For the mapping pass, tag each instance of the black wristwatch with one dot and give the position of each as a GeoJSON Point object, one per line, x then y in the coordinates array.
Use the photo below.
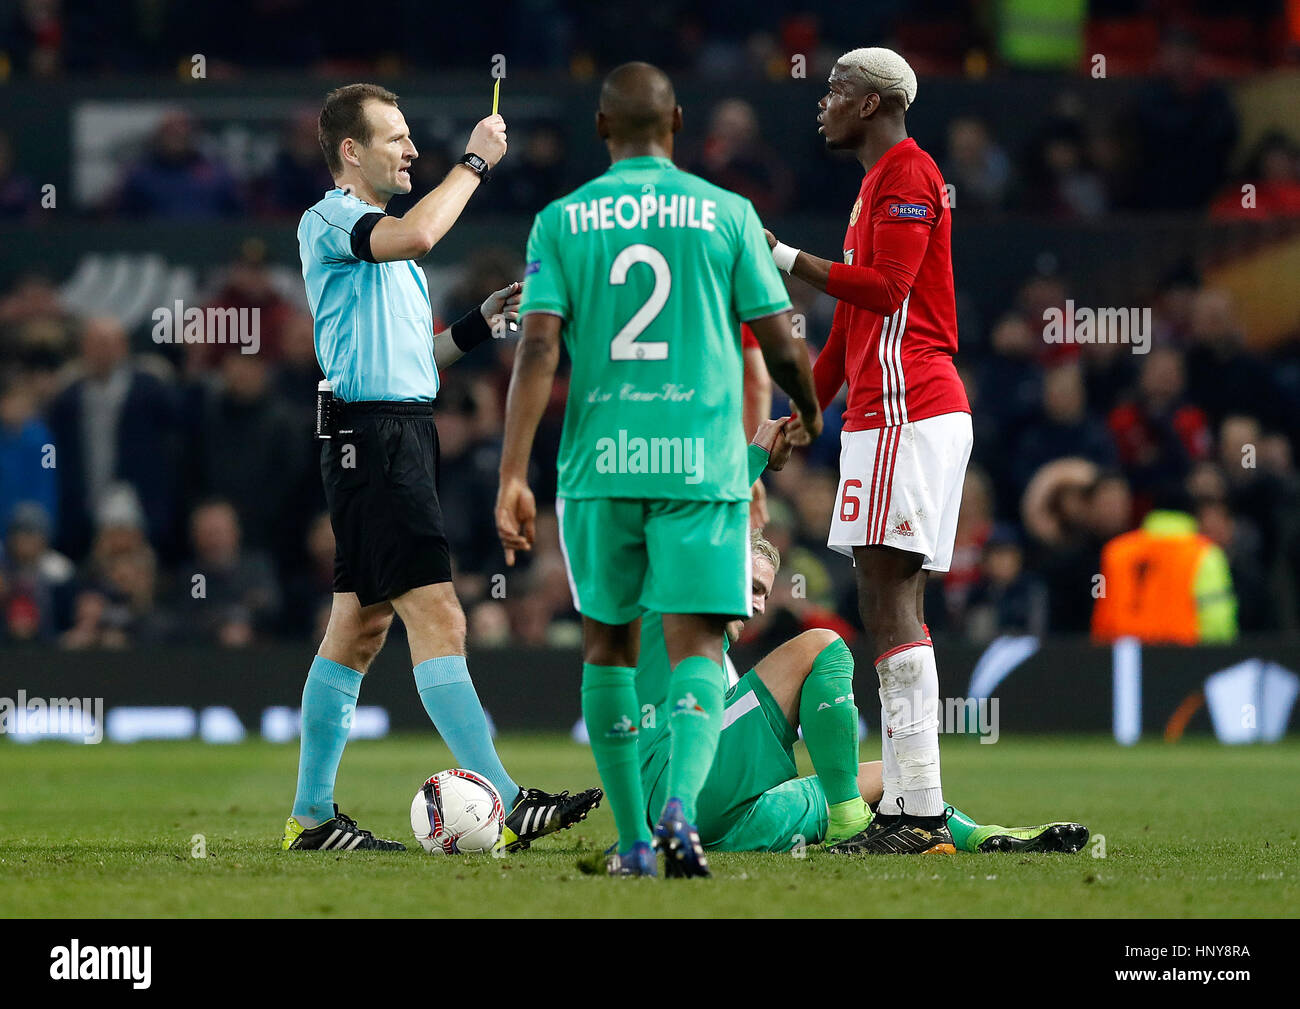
{"type": "Point", "coordinates": [476, 165]}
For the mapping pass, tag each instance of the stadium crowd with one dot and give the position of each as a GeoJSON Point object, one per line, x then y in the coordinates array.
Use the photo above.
{"type": "Point", "coordinates": [1168, 148]}
{"type": "Point", "coordinates": [48, 39]}
{"type": "Point", "coordinates": [135, 479]}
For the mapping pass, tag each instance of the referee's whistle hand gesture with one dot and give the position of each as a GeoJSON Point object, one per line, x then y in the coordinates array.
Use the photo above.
{"type": "Point", "coordinates": [516, 517]}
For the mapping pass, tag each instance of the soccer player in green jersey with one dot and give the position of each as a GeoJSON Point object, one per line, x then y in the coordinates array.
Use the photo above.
{"type": "Point", "coordinates": [646, 272]}
{"type": "Point", "coordinates": [753, 798]}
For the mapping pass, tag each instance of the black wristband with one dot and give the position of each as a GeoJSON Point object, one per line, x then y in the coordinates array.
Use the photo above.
{"type": "Point", "coordinates": [470, 330]}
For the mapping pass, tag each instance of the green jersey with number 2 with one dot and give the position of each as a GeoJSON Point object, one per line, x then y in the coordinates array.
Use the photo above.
{"type": "Point", "coordinates": [652, 270]}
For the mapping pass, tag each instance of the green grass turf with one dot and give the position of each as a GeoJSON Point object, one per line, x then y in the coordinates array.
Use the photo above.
{"type": "Point", "coordinates": [1193, 829]}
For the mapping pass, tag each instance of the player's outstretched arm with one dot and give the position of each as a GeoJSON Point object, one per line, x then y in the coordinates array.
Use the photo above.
{"type": "Point", "coordinates": [797, 263]}
{"type": "Point", "coordinates": [423, 226]}
{"type": "Point", "coordinates": [536, 359]}
{"type": "Point", "coordinates": [787, 360]}
{"type": "Point", "coordinates": [881, 286]}
{"type": "Point", "coordinates": [500, 308]}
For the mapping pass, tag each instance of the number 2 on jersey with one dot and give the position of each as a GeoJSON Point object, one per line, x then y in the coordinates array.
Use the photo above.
{"type": "Point", "coordinates": [624, 346]}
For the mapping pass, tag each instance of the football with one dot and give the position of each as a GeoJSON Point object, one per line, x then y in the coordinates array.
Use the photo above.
{"type": "Point", "coordinates": [457, 812]}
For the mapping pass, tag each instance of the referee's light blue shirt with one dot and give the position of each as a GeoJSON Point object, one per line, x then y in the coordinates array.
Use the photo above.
{"type": "Point", "coordinates": [373, 322]}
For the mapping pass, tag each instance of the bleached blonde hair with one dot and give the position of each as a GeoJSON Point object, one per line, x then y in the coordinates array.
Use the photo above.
{"type": "Point", "coordinates": [883, 71]}
{"type": "Point", "coordinates": [763, 547]}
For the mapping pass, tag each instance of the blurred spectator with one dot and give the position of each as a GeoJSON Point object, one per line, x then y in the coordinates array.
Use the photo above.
{"type": "Point", "coordinates": [1273, 170]}
{"type": "Point", "coordinates": [176, 180]}
{"type": "Point", "coordinates": [34, 34]}
{"type": "Point", "coordinates": [1159, 433]}
{"type": "Point", "coordinates": [115, 588]}
{"type": "Point", "coordinates": [1186, 128]}
{"type": "Point", "coordinates": [114, 421]}
{"type": "Point", "coordinates": [298, 177]}
{"type": "Point", "coordinates": [35, 580]}
{"type": "Point", "coordinates": [1006, 396]}
{"type": "Point", "coordinates": [1263, 489]}
{"type": "Point", "coordinates": [1006, 599]}
{"type": "Point", "coordinates": [977, 168]}
{"type": "Point", "coordinates": [238, 595]}
{"type": "Point", "coordinates": [735, 157]}
{"type": "Point", "coordinates": [249, 448]}
{"type": "Point", "coordinates": [489, 625]}
{"type": "Point", "coordinates": [975, 523]}
{"type": "Point", "coordinates": [28, 469]}
{"type": "Point", "coordinates": [91, 625]}
{"type": "Point", "coordinates": [1064, 427]}
{"type": "Point", "coordinates": [298, 370]}
{"type": "Point", "coordinates": [1165, 582]}
{"type": "Point", "coordinates": [1089, 516]}
{"type": "Point", "coordinates": [310, 592]}
{"type": "Point", "coordinates": [1061, 180]}
{"type": "Point", "coordinates": [19, 198]}
{"type": "Point", "coordinates": [535, 176]}
{"type": "Point", "coordinates": [467, 478]}
{"type": "Point", "coordinates": [1240, 543]}
{"type": "Point", "coordinates": [35, 331]}
{"type": "Point", "coordinates": [1173, 305]}
{"type": "Point", "coordinates": [1223, 375]}
{"type": "Point", "coordinates": [249, 288]}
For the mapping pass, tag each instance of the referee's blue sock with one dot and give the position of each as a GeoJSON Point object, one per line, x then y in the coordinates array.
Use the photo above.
{"type": "Point", "coordinates": [328, 699]}
{"type": "Point", "coordinates": [452, 702]}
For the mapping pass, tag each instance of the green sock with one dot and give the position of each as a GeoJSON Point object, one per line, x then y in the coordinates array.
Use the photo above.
{"type": "Point", "coordinates": [846, 819]}
{"type": "Point", "coordinates": [695, 702]}
{"type": "Point", "coordinates": [962, 827]}
{"type": "Point", "coordinates": [829, 720]}
{"type": "Point", "coordinates": [612, 714]}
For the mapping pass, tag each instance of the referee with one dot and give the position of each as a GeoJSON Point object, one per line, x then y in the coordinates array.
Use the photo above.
{"type": "Point", "coordinates": [379, 460]}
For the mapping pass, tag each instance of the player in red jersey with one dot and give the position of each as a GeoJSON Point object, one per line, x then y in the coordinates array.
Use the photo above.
{"type": "Point", "coordinates": [907, 428]}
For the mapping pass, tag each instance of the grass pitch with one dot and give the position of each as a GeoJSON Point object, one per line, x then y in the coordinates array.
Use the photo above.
{"type": "Point", "coordinates": [1190, 830]}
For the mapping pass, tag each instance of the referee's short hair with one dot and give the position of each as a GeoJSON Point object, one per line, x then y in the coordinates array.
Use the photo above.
{"type": "Point", "coordinates": [344, 115]}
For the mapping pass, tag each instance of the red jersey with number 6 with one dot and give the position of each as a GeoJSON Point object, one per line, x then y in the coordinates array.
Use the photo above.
{"type": "Point", "coordinates": [895, 328]}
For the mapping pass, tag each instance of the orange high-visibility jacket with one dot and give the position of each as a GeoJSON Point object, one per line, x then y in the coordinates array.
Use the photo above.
{"type": "Point", "coordinates": [1164, 583]}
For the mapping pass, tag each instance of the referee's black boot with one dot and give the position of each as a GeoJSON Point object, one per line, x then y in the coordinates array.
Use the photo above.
{"type": "Point", "coordinates": [536, 814]}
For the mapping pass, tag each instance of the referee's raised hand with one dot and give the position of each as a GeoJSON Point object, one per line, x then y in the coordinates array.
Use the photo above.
{"type": "Point", "coordinates": [488, 140]}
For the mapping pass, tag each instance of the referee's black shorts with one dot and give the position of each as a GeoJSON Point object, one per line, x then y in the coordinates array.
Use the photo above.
{"type": "Point", "coordinates": [388, 527]}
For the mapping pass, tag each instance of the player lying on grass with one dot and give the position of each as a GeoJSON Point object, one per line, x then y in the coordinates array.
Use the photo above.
{"type": "Point", "coordinates": [753, 798]}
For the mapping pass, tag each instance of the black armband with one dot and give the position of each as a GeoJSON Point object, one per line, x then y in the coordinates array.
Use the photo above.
{"type": "Point", "coordinates": [470, 330]}
{"type": "Point", "coordinates": [361, 236]}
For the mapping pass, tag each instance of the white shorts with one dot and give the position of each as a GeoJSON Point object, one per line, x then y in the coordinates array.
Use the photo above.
{"type": "Point", "coordinates": [901, 487]}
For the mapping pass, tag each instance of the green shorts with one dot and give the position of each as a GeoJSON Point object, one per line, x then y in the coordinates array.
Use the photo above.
{"type": "Point", "coordinates": [625, 555]}
{"type": "Point", "coordinates": [753, 799]}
